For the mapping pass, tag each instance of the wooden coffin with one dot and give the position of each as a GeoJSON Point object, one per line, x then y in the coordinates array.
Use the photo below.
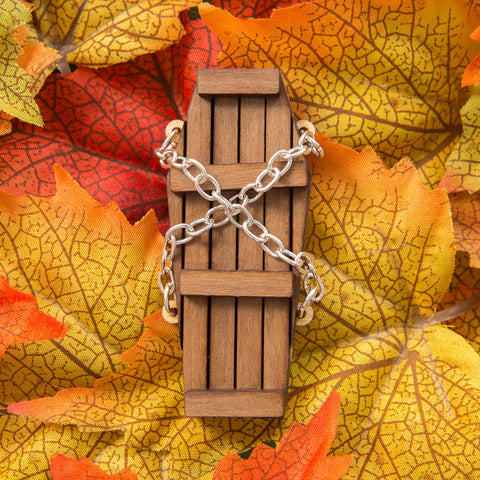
{"type": "Point", "coordinates": [236, 303]}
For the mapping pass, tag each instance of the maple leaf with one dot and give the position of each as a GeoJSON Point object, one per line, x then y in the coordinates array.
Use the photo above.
{"type": "Point", "coordinates": [16, 99]}
{"type": "Point", "coordinates": [301, 453]}
{"type": "Point", "coordinates": [65, 468]}
{"type": "Point", "coordinates": [103, 32]}
{"type": "Point", "coordinates": [461, 303]}
{"type": "Point", "coordinates": [472, 72]}
{"type": "Point", "coordinates": [89, 268]}
{"type": "Point", "coordinates": [463, 165]}
{"type": "Point", "coordinates": [135, 400]}
{"type": "Point", "coordinates": [112, 157]}
{"type": "Point", "coordinates": [97, 273]}
{"type": "Point", "coordinates": [384, 248]}
{"type": "Point", "coordinates": [20, 319]}
{"type": "Point", "coordinates": [360, 75]}
{"type": "Point", "coordinates": [465, 213]}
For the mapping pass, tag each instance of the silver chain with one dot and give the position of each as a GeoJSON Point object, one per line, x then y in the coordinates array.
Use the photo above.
{"type": "Point", "coordinates": [233, 207]}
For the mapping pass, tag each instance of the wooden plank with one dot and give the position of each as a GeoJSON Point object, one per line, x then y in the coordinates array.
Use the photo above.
{"type": "Point", "coordinates": [223, 252]}
{"type": "Point", "coordinates": [235, 177]}
{"type": "Point", "coordinates": [250, 255]}
{"type": "Point", "coordinates": [238, 81]}
{"type": "Point", "coordinates": [196, 254]}
{"type": "Point", "coordinates": [236, 284]}
{"type": "Point", "coordinates": [175, 213]}
{"type": "Point", "coordinates": [277, 221]}
{"type": "Point", "coordinates": [234, 403]}
{"type": "Point", "coordinates": [300, 203]}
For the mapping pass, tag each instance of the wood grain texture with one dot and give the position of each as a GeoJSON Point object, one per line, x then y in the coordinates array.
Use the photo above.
{"type": "Point", "coordinates": [278, 221]}
{"type": "Point", "coordinates": [223, 251]}
{"type": "Point", "coordinates": [238, 81]}
{"type": "Point", "coordinates": [216, 283]}
{"type": "Point", "coordinates": [213, 403]}
{"type": "Point", "coordinates": [250, 255]}
{"type": "Point", "coordinates": [196, 254]}
{"type": "Point", "coordinates": [242, 175]}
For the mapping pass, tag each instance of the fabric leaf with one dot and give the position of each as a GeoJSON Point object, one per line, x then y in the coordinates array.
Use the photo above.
{"type": "Point", "coordinates": [466, 221]}
{"type": "Point", "coordinates": [301, 453]}
{"type": "Point", "coordinates": [461, 303]}
{"type": "Point", "coordinates": [137, 399]}
{"type": "Point", "coordinates": [112, 157]}
{"type": "Point", "coordinates": [360, 76]}
{"type": "Point", "coordinates": [16, 97]}
{"type": "Point", "coordinates": [463, 165]}
{"type": "Point", "coordinates": [89, 268]}
{"type": "Point", "coordinates": [472, 72]}
{"type": "Point", "coordinates": [65, 468]}
{"type": "Point", "coordinates": [101, 32]}
{"type": "Point", "coordinates": [20, 319]}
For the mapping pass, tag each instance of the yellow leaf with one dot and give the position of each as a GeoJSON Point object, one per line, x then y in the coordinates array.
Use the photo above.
{"type": "Point", "coordinates": [91, 269]}
{"type": "Point", "coordinates": [379, 73]}
{"type": "Point", "coordinates": [463, 165]}
{"type": "Point", "coordinates": [461, 303]}
{"type": "Point", "coordinates": [104, 32]}
{"type": "Point", "coordinates": [87, 267]}
{"type": "Point", "coordinates": [16, 97]}
{"type": "Point", "coordinates": [466, 219]}
{"type": "Point", "coordinates": [135, 400]}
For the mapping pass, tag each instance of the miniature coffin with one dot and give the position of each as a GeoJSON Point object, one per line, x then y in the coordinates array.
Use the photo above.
{"type": "Point", "coordinates": [236, 303]}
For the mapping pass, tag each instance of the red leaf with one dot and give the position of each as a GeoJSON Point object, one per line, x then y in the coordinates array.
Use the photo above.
{"type": "Point", "coordinates": [20, 319]}
{"type": "Point", "coordinates": [64, 468]}
{"type": "Point", "coordinates": [103, 126]}
{"type": "Point", "coordinates": [300, 455]}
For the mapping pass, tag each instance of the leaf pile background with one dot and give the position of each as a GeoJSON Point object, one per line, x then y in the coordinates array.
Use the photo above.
{"type": "Point", "coordinates": [392, 87]}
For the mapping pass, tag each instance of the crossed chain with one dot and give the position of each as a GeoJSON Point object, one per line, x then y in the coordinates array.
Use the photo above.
{"type": "Point", "coordinates": [303, 262]}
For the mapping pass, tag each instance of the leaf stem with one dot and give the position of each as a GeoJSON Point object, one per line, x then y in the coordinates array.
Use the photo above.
{"type": "Point", "coordinates": [455, 310]}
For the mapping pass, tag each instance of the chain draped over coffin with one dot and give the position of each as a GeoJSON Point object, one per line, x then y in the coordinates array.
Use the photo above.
{"type": "Point", "coordinates": [228, 368]}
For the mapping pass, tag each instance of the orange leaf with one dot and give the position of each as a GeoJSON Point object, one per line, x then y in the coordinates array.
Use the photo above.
{"type": "Point", "coordinates": [472, 72]}
{"type": "Point", "coordinates": [64, 468]}
{"type": "Point", "coordinates": [384, 73]}
{"type": "Point", "coordinates": [301, 454]}
{"type": "Point", "coordinates": [20, 319]}
{"type": "Point", "coordinates": [466, 220]}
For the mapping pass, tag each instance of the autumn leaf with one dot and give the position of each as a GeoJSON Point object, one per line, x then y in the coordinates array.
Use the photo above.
{"type": "Point", "coordinates": [20, 319]}
{"type": "Point", "coordinates": [112, 157]}
{"type": "Point", "coordinates": [65, 468]}
{"type": "Point", "coordinates": [103, 32]}
{"type": "Point", "coordinates": [360, 75]}
{"type": "Point", "coordinates": [461, 303]}
{"type": "Point", "coordinates": [26, 446]}
{"type": "Point", "coordinates": [472, 72]}
{"type": "Point", "coordinates": [301, 453]}
{"type": "Point", "coordinates": [466, 224]}
{"type": "Point", "coordinates": [137, 399]}
{"type": "Point", "coordinates": [16, 99]}
{"type": "Point", "coordinates": [463, 165]}
{"type": "Point", "coordinates": [89, 268]}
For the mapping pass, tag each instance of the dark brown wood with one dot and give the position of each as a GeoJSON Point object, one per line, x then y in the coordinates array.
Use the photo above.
{"type": "Point", "coordinates": [236, 302]}
{"type": "Point", "coordinates": [298, 176]}
{"type": "Point", "coordinates": [223, 252]}
{"type": "Point", "coordinates": [216, 283]}
{"type": "Point", "coordinates": [250, 318]}
{"type": "Point", "coordinates": [238, 81]}
{"type": "Point", "coordinates": [277, 220]}
{"type": "Point", "coordinates": [196, 254]}
{"type": "Point", "coordinates": [234, 403]}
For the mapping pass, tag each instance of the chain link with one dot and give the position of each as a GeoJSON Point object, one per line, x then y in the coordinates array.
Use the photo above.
{"type": "Point", "coordinates": [272, 245]}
